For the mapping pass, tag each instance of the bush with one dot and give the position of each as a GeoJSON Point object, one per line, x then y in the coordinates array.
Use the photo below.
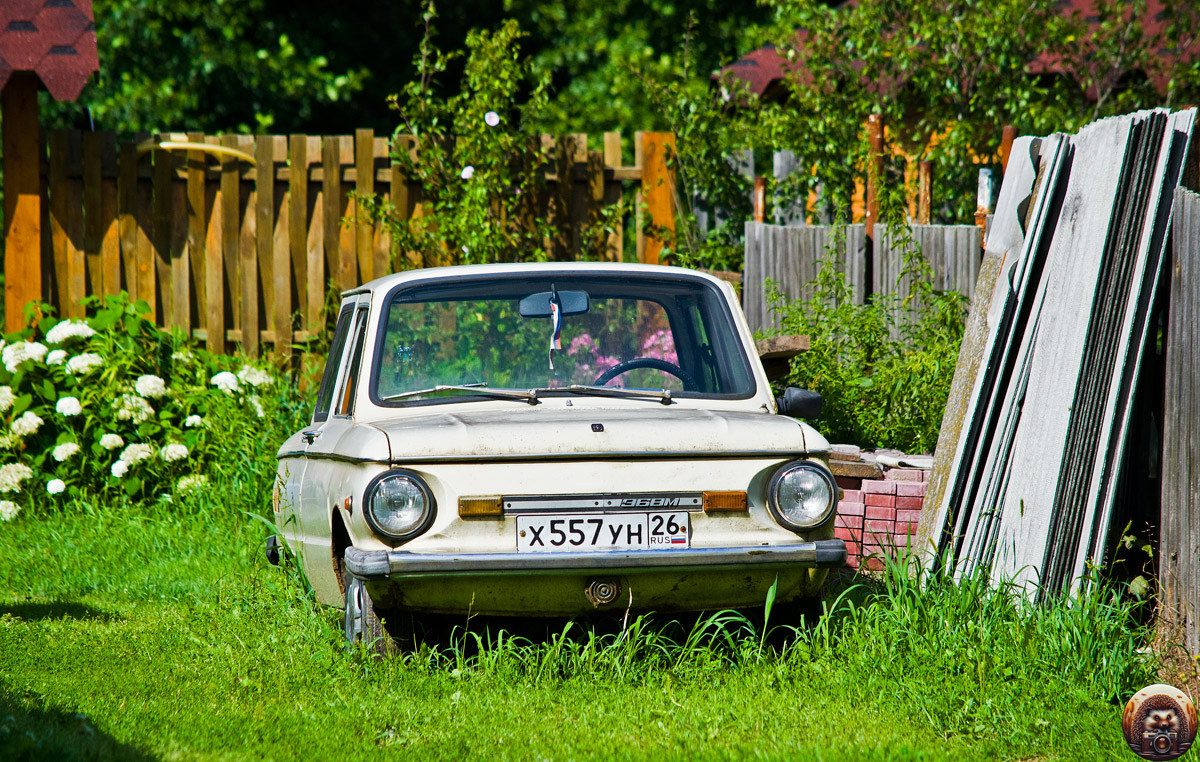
{"type": "Point", "coordinates": [885, 367]}
{"type": "Point", "coordinates": [114, 405]}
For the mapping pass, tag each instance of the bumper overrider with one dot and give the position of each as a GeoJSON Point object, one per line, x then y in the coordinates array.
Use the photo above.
{"type": "Point", "coordinates": [370, 565]}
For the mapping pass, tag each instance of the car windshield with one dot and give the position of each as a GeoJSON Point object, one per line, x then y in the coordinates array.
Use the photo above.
{"type": "Point", "coordinates": [554, 331]}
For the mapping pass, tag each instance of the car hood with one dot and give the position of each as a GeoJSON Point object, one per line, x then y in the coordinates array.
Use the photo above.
{"type": "Point", "coordinates": [590, 432]}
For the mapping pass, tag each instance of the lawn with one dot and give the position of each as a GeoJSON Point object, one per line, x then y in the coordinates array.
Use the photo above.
{"type": "Point", "coordinates": [160, 633]}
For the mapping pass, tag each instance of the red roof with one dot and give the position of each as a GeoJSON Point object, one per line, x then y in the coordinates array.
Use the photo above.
{"type": "Point", "coordinates": [56, 39]}
{"type": "Point", "coordinates": [764, 69]}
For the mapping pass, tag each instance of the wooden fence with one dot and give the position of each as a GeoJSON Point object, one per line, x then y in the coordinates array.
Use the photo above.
{"type": "Point", "coordinates": [236, 251]}
{"type": "Point", "coordinates": [791, 256]}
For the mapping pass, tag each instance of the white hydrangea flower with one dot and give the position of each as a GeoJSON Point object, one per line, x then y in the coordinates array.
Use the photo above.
{"type": "Point", "coordinates": [7, 398]}
{"type": "Point", "coordinates": [11, 476]}
{"type": "Point", "coordinates": [133, 408]}
{"type": "Point", "coordinates": [27, 424]}
{"type": "Point", "coordinates": [173, 452]}
{"type": "Point", "coordinates": [8, 510]}
{"type": "Point", "coordinates": [56, 486]}
{"type": "Point", "coordinates": [192, 421]}
{"type": "Point", "coordinates": [8, 441]}
{"type": "Point", "coordinates": [56, 357]}
{"type": "Point", "coordinates": [69, 329]}
{"type": "Point", "coordinates": [84, 363]}
{"type": "Point", "coordinates": [468, 172]}
{"type": "Point", "coordinates": [64, 451]}
{"type": "Point", "coordinates": [254, 376]}
{"type": "Point", "coordinates": [119, 469]}
{"type": "Point", "coordinates": [68, 406]}
{"type": "Point", "coordinates": [491, 119]}
{"type": "Point", "coordinates": [15, 354]}
{"type": "Point", "coordinates": [136, 453]}
{"type": "Point", "coordinates": [191, 483]}
{"type": "Point", "coordinates": [182, 356]}
{"type": "Point", "coordinates": [226, 382]}
{"type": "Point", "coordinates": [150, 386]}
{"type": "Point", "coordinates": [258, 407]}
{"type": "Point", "coordinates": [111, 441]}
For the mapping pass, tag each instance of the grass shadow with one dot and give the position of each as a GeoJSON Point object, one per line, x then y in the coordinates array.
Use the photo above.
{"type": "Point", "coordinates": [30, 730]}
{"type": "Point", "coordinates": [51, 610]}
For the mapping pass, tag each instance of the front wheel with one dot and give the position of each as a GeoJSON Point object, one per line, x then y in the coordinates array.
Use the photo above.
{"type": "Point", "coordinates": [360, 621]}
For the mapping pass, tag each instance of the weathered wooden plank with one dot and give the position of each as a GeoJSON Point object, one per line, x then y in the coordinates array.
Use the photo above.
{"type": "Point", "coordinates": [93, 199]}
{"type": "Point", "coordinates": [110, 235]}
{"type": "Point", "coordinates": [196, 257]}
{"type": "Point", "coordinates": [260, 209]}
{"type": "Point", "coordinates": [364, 186]}
{"type": "Point", "coordinates": [350, 276]}
{"type": "Point", "coordinates": [281, 266]}
{"type": "Point", "coordinates": [331, 191]}
{"type": "Point", "coordinates": [224, 300]}
{"type": "Point", "coordinates": [162, 232]}
{"type": "Point", "coordinates": [127, 221]}
{"type": "Point", "coordinates": [297, 219]}
{"type": "Point", "coordinates": [58, 220]}
{"type": "Point", "coordinates": [658, 190]}
{"type": "Point", "coordinates": [316, 283]}
{"type": "Point", "coordinates": [76, 256]}
{"type": "Point", "coordinates": [612, 195]}
{"type": "Point", "coordinates": [147, 273]}
{"type": "Point", "coordinates": [23, 206]}
{"type": "Point", "coordinates": [381, 238]}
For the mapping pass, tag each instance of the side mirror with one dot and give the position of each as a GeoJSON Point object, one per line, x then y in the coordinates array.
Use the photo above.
{"type": "Point", "coordinates": [800, 403]}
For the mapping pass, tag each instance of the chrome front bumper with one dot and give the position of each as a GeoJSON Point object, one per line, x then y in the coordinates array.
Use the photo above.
{"type": "Point", "coordinates": [370, 565]}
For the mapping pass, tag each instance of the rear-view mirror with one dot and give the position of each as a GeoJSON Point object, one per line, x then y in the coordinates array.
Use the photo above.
{"type": "Point", "coordinates": [538, 305]}
{"type": "Point", "coordinates": [800, 403]}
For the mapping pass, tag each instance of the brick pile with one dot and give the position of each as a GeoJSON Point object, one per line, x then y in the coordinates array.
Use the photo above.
{"type": "Point", "coordinates": [879, 517]}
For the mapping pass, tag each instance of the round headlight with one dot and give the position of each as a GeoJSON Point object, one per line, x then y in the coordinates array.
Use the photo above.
{"type": "Point", "coordinates": [801, 495]}
{"type": "Point", "coordinates": [398, 505]}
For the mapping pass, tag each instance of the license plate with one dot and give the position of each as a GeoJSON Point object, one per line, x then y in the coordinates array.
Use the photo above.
{"type": "Point", "coordinates": [603, 531]}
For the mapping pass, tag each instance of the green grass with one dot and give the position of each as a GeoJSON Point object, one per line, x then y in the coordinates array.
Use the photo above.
{"type": "Point", "coordinates": [161, 634]}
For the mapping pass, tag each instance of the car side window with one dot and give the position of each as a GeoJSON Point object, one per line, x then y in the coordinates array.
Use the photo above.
{"type": "Point", "coordinates": [346, 406]}
{"type": "Point", "coordinates": [329, 377]}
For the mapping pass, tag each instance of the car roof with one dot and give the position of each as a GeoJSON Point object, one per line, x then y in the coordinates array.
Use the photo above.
{"type": "Point", "coordinates": [607, 268]}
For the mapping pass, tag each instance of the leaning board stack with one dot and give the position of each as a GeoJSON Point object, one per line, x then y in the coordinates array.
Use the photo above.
{"type": "Point", "coordinates": [1026, 485]}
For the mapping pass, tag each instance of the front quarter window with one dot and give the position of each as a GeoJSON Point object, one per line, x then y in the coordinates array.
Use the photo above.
{"type": "Point", "coordinates": [332, 363]}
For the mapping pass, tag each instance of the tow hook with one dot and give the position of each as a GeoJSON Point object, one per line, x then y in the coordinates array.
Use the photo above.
{"type": "Point", "coordinates": [602, 590]}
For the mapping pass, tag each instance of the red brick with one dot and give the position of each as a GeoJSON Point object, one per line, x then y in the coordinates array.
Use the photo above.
{"type": "Point", "coordinates": [850, 509]}
{"type": "Point", "coordinates": [880, 526]}
{"type": "Point", "coordinates": [886, 501]}
{"type": "Point", "coordinates": [925, 476]}
{"type": "Point", "coordinates": [874, 563]}
{"type": "Point", "coordinates": [852, 562]}
{"type": "Point", "coordinates": [852, 495]}
{"type": "Point", "coordinates": [909, 516]}
{"type": "Point", "coordinates": [879, 487]}
{"type": "Point", "coordinates": [850, 522]}
{"type": "Point", "coordinates": [853, 549]}
{"type": "Point", "coordinates": [844, 533]}
{"type": "Point", "coordinates": [881, 512]}
{"type": "Point", "coordinates": [905, 528]}
{"type": "Point", "coordinates": [848, 482]}
{"type": "Point", "coordinates": [910, 503]}
{"type": "Point", "coordinates": [904, 474]}
{"type": "Point", "coordinates": [910, 489]}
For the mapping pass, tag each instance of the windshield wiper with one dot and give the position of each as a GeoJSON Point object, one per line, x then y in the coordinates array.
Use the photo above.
{"type": "Point", "coordinates": [662, 395]}
{"type": "Point", "coordinates": [524, 395]}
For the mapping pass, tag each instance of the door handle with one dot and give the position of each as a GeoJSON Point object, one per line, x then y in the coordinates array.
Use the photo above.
{"type": "Point", "coordinates": [309, 436]}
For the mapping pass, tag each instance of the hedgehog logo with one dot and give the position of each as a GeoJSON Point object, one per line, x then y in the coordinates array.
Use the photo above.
{"type": "Point", "coordinates": [1159, 722]}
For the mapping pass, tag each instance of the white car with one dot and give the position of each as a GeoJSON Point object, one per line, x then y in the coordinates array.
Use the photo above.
{"type": "Point", "coordinates": [552, 440]}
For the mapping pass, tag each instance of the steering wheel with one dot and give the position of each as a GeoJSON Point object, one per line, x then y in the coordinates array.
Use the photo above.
{"type": "Point", "coordinates": [689, 383]}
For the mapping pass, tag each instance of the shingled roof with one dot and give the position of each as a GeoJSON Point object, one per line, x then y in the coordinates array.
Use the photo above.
{"type": "Point", "coordinates": [56, 39]}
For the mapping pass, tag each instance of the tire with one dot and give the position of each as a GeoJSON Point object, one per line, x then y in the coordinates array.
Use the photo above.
{"type": "Point", "coordinates": [361, 622]}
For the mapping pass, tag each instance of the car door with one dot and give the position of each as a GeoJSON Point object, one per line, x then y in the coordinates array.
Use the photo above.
{"type": "Point", "coordinates": [333, 420]}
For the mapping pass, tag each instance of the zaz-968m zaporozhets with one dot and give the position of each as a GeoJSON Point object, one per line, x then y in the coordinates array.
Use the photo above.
{"type": "Point", "coordinates": [552, 440]}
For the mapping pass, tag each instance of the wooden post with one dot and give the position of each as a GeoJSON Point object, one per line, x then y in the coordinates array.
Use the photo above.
{"type": "Point", "coordinates": [22, 199]}
{"type": "Point", "coordinates": [1007, 136]}
{"type": "Point", "coordinates": [874, 185]}
{"type": "Point", "coordinates": [612, 195]}
{"type": "Point", "coordinates": [924, 192]}
{"type": "Point", "coordinates": [364, 186]}
{"type": "Point", "coordinates": [658, 189]}
{"type": "Point", "coordinates": [759, 199]}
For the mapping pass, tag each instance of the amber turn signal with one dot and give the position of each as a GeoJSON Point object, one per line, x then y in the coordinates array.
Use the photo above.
{"type": "Point", "coordinates": [725, 502]}
{"type": "Point", "coordinates": [486, 507]}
